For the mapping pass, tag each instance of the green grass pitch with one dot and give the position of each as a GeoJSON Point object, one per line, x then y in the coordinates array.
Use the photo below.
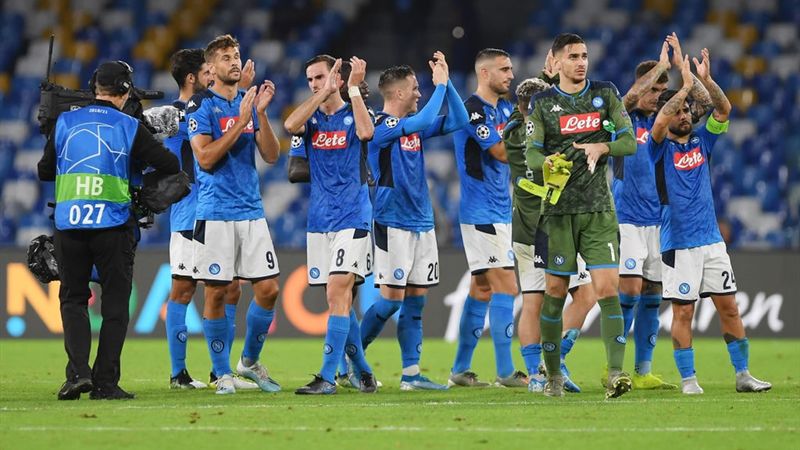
{"type": "Point", "coordinates": [490, 418]}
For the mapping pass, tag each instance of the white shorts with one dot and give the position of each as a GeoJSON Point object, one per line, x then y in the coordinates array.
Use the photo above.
{"type": "Point", "coordinates": [404, 258]}
{"type": "Point", "coordinates": [531, 279]}
{"type": "Point", "coordinates": [181, 248]}
{"type": "Point", "coordinates": [640, 251]}
{"type": "Point", "coordinates": [691, 273]}
{"type": "Point", "coordinates": [344, 251]}
{"type": "Point", "coordinates": [228, 249]}
{"type": "Point", "coordinates": [487, 246]}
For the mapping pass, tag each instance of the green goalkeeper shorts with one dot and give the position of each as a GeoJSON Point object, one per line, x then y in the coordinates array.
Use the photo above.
{"type": "Point", "coordinates": [560, 238]}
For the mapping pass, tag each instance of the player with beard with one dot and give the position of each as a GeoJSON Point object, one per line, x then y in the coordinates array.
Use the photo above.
{"type": "Point", "coordinates": [232, 241]}
{"type": "Point", "coordinates": [485, 216]}
{"type": "Point", "coordinates": [695, 262]}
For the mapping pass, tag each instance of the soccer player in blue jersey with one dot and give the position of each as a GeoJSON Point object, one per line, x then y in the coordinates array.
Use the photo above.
{"type": "Point", "coordinates": [339, 244]}
{"type": "Point", "coordinates": [232, 241]}
{"type": "Point", "coordinates": [639, 213]}
{"type": "Point", "coordinates": [193, 74]}
{"type": "Point", "coordinates": [406, 257]}
{"type": "Point", "coordinates": [695, 262]}
{"type": "Point", "coordinates": [485, 217]}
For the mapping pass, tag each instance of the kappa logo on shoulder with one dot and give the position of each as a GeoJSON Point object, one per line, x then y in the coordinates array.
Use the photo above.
{"type": "Point", "coordinates": [556, 108]}
{"type": "Point", "coordinates": [475, 116]}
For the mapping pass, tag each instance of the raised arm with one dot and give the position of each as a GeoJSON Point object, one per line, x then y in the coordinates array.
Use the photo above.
{"type": "Point", "coordinates": [365, 127]}
{"type": "Point", "coordinates": [428, 114]}
{"type": "Point", "coordinates": [457, 115]}
{"type": "Point", "coordinates": [701, 100]}
{"type": "Point", "coordinates": [296, 122]}
{"type": "Point", "coordinates": [659, 130]}
{"type": "Point", "coordinates": [721, 104]}
{"type": "Point", "coordinates": [643, 84]}
{"type": "Point", "coordinates": [266, 141]}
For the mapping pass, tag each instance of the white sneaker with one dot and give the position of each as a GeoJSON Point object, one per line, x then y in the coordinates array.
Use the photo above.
{"type": "Point", "coordinates": [690, 386]}
{"type": "Point", "coordinates": [748, 383]}
{"type": "Point", "coordinates": [259, 375]}
{"type": "Point", "coordinates": [225, 384]}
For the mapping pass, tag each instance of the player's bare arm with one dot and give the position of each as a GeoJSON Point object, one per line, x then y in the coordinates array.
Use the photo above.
{"type": "Point", "coordinates": [365, 128]}
{"type": "Point", "coordinates": [659, 130]}
{"type": "Point", "coordinates": [702, 101]}
{"type": "Point", "coordinates": [207, 151]}
{"type": "Point", "coordinates": [266, 141]}
{"type": "Point", "coordinates": [722, 106]}
{"type": "Point", "coordinates": [295, 124]}
{"type": "Point", "coordinates": [646, 81]}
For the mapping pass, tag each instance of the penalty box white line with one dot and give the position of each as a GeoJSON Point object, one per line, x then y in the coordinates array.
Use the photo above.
{"type": "Point", "coordinates": [544, 402]}
{"type": "Point", "coordinates": [409, 429]}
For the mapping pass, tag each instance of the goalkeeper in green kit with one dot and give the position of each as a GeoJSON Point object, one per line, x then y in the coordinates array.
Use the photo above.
{"type": "Point", "coordinates": [577, 125]}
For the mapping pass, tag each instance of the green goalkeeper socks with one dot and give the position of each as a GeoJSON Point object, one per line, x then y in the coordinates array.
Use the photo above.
{"type": "Point", "coordinates": [550, 322]}
{"type": "Point", "coordinates": [612, 327]}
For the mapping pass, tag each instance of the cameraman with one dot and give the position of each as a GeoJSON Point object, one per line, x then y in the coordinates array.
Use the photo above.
{"type": "Point", "coordinates": [89, 155]}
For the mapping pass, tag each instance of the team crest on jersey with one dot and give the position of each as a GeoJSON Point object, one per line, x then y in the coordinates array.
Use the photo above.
{"type": "Point", "coordinates": [598, 102]}
{"type": "Point", "coordinates": [226, 123]}
{"type": "Point", "coordinates": [695, 140]}
{"type": "Point", "coordinates": [529, 128]}
{"type": "Point", "coordinates": [482, 132]}
{"type": "Point", "coordinates": [192, 125]}
{"type": "Point", "coordinates": [506, 112]}
{"type": "Point", "coordinates": [297, 141]}
{"type": "Point", "coordinates": [411, 143]}
{"type": "Point", "coordinates": [689, 160]}
{"type": "Point", "coordinates": [329, 140]}
{"type": "Point", "coordinates": [556, 108]}
{"type": "Point", "coordinates": [580, 123]}
{"type": "Point", "coordinates": [641, 135]}
{"type": "Point", "coordinates": [347, 120]}
{"type": "Point", "coordinates": [391, 122]}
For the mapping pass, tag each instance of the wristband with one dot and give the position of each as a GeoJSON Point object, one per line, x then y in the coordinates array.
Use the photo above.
{"type": "Point", "coordinates": [354, 91]}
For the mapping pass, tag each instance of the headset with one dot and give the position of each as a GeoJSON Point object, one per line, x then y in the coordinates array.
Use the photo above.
{"type": "Point", "coordinates": [122, 83]}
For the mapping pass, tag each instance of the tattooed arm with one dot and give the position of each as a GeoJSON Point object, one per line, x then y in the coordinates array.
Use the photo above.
{"type": "Point", "coordinates": [721, 104]}
{"type": "Point", "coordinates": [659, 130]}
{"type": "Point", "coordinates": [646, 81]}
{"type": "Point", "coordinates": [702, 100]}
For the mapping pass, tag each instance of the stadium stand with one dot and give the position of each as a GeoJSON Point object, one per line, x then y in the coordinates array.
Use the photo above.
{"type": "Point", "coordinates": [754, 47]}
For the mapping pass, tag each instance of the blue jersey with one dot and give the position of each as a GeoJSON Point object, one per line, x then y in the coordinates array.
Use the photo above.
{"type": "Point", "coordinates": [634, 183]}
{"type": "Point", "coordinates": [485, 195]}
{"type": "Point", "coordinates": [398, 164]}
{"type": "Point", "coordinates": [181, 215]}
{"type": "Point", "coordinates": [339, 192]}
{"type": "Point", "coordinates": [229, 190]}
{"type": "Point", "coordinates": [683, 180]}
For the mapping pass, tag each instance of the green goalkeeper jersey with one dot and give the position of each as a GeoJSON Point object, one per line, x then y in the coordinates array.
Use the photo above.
{"type": "Point", "coordinates": [527, 206]}
{"type": "Point", "coordinates": [593, 115]}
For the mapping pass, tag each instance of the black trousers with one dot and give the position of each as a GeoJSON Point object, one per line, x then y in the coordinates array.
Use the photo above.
{"type": "Point", "coordinates": [112, 251]}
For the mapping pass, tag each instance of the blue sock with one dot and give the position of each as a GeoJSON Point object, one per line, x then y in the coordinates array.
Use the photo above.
{"type": "Point", "coordinates": [501, 326]}
{"type": "Point", "coordinates": [684, 359]}
{"type": "Point", "coordinates": [375, 318]}
{"type": "Point", "coordinates": [473, 318]}
{"type": "Point", "coordinates": [646, 332]}
{"type": "Point", "coordinates": [258, 321]}
{"type": "Point", "coordinates": [532, 355]}
{"type": "Point", "coordinates": [627, 302]}
{"type": "Point", "coordinates": [176, 335]}
{"type": "Point", "coordinates": [335, 338]}
{"type": "Point", "coordinates": [409, 329]}
{"type": "Point", "coordinates": [568, 341]}
{"type": "Point", "coordinates": [739, 350]}
{"type": "Point", "coordinates": [342, 370]}
{"type": "Point", "coordinates": [230, 317]}
{"type": "Point", "coordinates": [216, 331]}
{"type": "Point", "coordinates": [353, 347]}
